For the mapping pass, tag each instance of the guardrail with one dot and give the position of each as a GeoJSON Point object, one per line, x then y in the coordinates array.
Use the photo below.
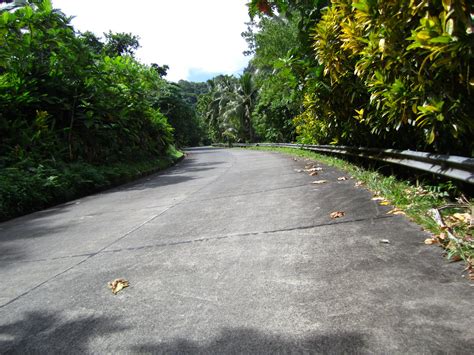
{"type": "Point", "coordinates": [451, 166]}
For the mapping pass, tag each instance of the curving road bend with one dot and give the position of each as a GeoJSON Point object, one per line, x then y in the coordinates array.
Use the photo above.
{"type": "Point", "coordinates": [230, 251]}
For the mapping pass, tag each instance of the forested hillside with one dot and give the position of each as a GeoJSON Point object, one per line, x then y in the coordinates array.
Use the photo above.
{"type": "Point", "coordinates": [370, 73]}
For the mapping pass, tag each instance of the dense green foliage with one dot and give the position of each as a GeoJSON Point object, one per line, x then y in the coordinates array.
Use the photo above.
{"type": "Point", "coordinates": [272, 43]}
{"type": "Point", "coordinates": [365, 72]}
{"type": "Point", "coordinates": [228, 107]}
{"type": "Point", "coordinates": [59, 100]}
{"type": "Point", "coordinates": [70, 100]}
{"type": "Point", "coordinates": [28, 187]}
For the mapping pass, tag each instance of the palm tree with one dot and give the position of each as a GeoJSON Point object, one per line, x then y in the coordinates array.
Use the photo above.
{"type": "Point", "coordinates": [231, 105]}
{"type": "Point", "coordinates": [241, 105]}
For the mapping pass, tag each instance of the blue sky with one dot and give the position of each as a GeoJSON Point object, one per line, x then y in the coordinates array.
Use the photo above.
{"type": "Point", "coordinates": [200, 75]}
{"type": "Point", "coordinates": [196, 39]}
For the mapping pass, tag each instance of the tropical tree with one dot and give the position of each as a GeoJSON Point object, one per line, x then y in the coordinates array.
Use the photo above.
{"type": "Point", "coordinates": [240, 105]}
{"type": "Point", "coordinates": [230, 105]}
{"type": "Point", "coordinates": [121, 43]}
{"type": "Point", "coordinates": [213, 106]}
{"type": "Point", "coordinates": [273, 65]}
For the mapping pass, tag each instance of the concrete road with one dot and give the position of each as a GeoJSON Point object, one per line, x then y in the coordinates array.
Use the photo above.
{"type": "Point", "coordinates": [230, 251]}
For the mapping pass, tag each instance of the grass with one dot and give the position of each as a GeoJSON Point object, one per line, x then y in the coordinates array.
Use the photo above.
{"type": "Point", "coordinates": [415, 200]}
{"type": "Point", "coordinates": [30, 186]}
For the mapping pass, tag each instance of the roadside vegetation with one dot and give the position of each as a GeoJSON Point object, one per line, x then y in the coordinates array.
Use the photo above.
{"type": "Point", "coordinates": [394, 74]}
{"type": "Point", "coordinates": [79, 112]}
{"type": "Point", "coordinates": [417, 199]}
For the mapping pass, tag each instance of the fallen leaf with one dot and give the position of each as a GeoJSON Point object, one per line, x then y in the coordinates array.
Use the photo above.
{"type": "Point", "coordinates": [463, 217]}
{"type": "Point", "coordinates": [430, 241]}
{"type": "Point", "coordinates": [442, 236]}
{"type": "Point", "coordinates": [359, 184]}
{"type": "Point", "coordinates": [319, 182]}
{"type": "Point", "coordinates": [451, 221]}
{"type": "Point", "coordinates": [309, 166]}
{"type": "Point", "coordinates": [385, 241]}
{"type": "Point", "coordinates": [313, 169]}
{"type": "Point", "coordinates": [313, 173]}
{"type": "Point", "coordinates": [454, 258]}
{"type": "Point", "coordinates": [342, 178]}
{"type": "Point", "coordinates": [377, 198]}
{"type": "Point", "coordinates": [384, 203]}
{"type": "Point", "coordinates": [117, 285]}
{"type": "Point", "coordinates": [337, 214]}
{"type": "Point", "coordinates": [396, 211]}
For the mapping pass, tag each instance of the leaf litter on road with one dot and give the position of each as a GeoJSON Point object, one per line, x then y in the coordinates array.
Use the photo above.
{"type": "Point", "coordinates": [382, 201]}
{"type": "Point", "coordinates": [337, 214]}
{"type": "Point", "coordinates": [117, 285]}
{"type": "Point", "coordinates": [314, 169]}
{"type": "Point", "coordinates": [317, 182]}
{"type": "Point", "coordinates": [342, 178]}
{"type": "Point", "coordinates": [396, 211]}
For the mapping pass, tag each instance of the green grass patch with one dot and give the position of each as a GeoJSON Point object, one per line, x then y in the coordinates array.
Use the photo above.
{"type": "Point", "coordinates": [30, 186]}
{"type": "Point", "coordinates": [413, 199]}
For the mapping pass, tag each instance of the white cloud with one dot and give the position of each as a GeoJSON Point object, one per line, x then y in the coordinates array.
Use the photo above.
{"type": "Point", "coordinates": [203, 35]}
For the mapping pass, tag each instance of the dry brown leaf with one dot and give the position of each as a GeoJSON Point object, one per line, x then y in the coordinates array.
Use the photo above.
{"type": "Point", "coordinates": [342, 178]}
{"type": "Point", "coordinates": [442, 236]}
{"type": "Point", "coordinates": [455, 258]}
{"type": "Point", "coordinates": [309, 166]}
{"type": "Point", "coordinates": [313, 173]}
{"type": "Point", "coordinates": [313, 169]}
{"type": "Point", "coordinates": [451, 221]}
{"type": "Point", "coordinates": [470, 269]}
{"type": "Point", "coordinates": [118, 285]}
{"type": "Point", "coordinates": [319, 182]}
{"type": "Point", "coordinates": [430, 241]}
{"type": "Point", "coordinates": [337, 214]}
{"type": "Point", "coordinates": [463, 217]}
{"type": "Point", "coordinates": [396, 211]}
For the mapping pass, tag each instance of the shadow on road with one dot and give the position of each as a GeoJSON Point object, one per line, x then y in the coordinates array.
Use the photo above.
{"type": "Point", "coordinates": [63, 217]}
{"type": "Point", "coordinates": [47, 333]}
{"type": "Point", "coordinates": [176, 175]}
{"type": "Point", "coordinates": [251, 341]}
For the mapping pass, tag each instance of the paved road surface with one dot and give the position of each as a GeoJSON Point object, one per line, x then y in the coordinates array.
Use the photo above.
{"type": "Point", "coordinates": [230, 251]}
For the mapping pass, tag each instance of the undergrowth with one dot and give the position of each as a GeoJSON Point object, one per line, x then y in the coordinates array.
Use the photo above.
{"type": "Point", "coordinates": [30, 186]}
{"type": "Point", "coordinates": [415, 199]}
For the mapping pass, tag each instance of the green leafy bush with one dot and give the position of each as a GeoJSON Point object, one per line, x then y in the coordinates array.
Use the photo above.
{"type": "Point", "coordinates": [391, 74]}
{"type": "Point", "coordinates": [396, 74]}
{"type": "Point", "coordinates": [76, 114]}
